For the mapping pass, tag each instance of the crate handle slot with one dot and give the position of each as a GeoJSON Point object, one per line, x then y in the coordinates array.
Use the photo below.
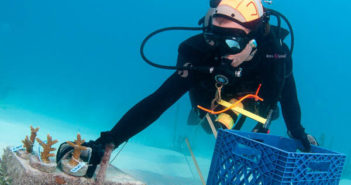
{"type": "Point", "coordinates": [318, 167]}
{"type": "Point", "coordinates": [247, 152]}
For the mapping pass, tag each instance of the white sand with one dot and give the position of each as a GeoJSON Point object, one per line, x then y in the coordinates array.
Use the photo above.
{"type": "Point", "coordinates": [345, 182]}
{"type": "Point", "coordinates": [150, 164]}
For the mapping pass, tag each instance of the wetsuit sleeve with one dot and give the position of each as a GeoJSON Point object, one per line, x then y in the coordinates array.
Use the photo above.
{"type": "Point", "coordinates": [291, 108]}
{"type": "Point", "coordinates": [146, 111]}
{"type": "Point", "coordinates": [287, 94]}
{"type": "Point", "coordinates": [151, 108]}
{"type": "Point", "coordinates": [292, 113]}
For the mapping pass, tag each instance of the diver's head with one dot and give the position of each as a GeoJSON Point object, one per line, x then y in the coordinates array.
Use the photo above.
{"type": "Point", "coordinates": [248, 13]}
{"type": "Point", "coordinates": [232, 28]}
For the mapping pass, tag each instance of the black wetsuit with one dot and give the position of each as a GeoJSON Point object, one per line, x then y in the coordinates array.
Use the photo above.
{"type": "Point", "coordinates": [266, 68]}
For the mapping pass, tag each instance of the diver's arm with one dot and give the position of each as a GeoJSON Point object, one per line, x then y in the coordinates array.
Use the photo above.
{"type": "Point", "coordinates": [290, 107]}
{"type": "Point", "coordinates": [288, 97]}
{"type": "Point", "coordinates": [147, 111]}
{"type": "Point", "coordinates": [292, 112]}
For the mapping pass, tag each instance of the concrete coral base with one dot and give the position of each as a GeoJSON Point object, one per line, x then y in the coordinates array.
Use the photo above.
{"type": "Point", "coordinates": [23, 154]}
{"type": "Point", "coordinates": [44, 167]}
{"type": "Point", "coordinates": [22, 173]}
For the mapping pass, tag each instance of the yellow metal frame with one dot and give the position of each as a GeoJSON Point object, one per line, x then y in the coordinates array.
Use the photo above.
{"type": "Point", "coordinates": [244, 112]}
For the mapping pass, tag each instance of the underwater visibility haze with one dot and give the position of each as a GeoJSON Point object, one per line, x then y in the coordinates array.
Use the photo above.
{"type": "Point", "coordinates": [75, 66]}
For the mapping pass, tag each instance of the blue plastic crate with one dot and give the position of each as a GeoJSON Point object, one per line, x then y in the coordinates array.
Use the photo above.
{"type": "Point", "coordinates": [245, 158]}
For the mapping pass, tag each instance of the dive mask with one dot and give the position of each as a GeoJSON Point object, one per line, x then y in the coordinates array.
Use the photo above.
{"type": "Point", "coordinates": [228, 41]}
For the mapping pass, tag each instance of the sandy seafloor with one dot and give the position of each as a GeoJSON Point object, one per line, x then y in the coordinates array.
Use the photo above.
{"type": "Point", "coordinates": [152, 165]}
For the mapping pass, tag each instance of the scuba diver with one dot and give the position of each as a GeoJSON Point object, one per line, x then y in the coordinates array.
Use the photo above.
{"type": "Point", "coordinates": [237, 52]}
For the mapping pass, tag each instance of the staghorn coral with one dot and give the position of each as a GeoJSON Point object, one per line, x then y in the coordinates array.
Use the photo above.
{"type": "Point", "coordinates": [28, 143]}
{"type": "Point", "coordinates": [33, 133]}
{"type": "Point", "coordinates": [77, 150]}
{"type": "Point", "coordinates": [47, 149]}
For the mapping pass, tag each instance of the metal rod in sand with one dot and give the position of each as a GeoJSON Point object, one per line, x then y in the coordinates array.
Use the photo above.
{"type": "Point", "coordinates": [213, 128]}
{"type": "Point", "coordinates": [195, 162]}
{"type": "Point", "coordinates": [100, 177]}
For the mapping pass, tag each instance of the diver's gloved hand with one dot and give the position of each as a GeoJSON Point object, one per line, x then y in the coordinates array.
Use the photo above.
{"type": "Point", "coordinates": [306, 141]}
{"type": "Point", "coordinates": [92, 156]}
{"type": "Point", "coordinates": [98, 151]}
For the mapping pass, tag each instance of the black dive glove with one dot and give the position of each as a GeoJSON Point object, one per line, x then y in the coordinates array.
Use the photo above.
{"type": "Point", "coordinates": [92, 156]}
{"type": "Point", "coordinates": [306, 141]}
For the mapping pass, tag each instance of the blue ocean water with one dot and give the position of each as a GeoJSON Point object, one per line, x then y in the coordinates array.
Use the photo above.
{"type": "Point", "coordinates": [78, 62]}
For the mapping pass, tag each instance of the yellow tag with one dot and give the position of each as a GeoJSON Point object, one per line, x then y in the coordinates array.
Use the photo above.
{"type": "Point", "coordinates": [244, 112]}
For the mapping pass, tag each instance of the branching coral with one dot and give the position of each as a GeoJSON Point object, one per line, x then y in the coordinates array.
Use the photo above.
{"type": "Point", "coordinates": [77, 145]}
{"type": "Point", "coordinates": [47, 149]}
{"type": "Point", "coordinates": [28, 143]}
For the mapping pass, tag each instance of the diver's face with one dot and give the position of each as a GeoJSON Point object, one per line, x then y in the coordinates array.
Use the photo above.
{"type": "Point", "coordinates": [244, 55]}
